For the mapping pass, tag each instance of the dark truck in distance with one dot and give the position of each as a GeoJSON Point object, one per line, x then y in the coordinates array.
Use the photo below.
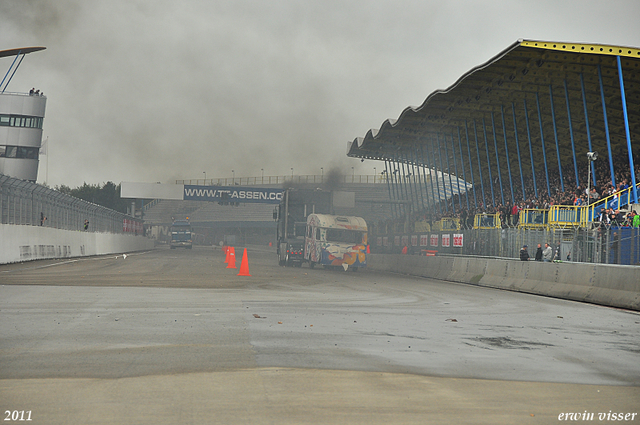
{"type": "Point", "coordinates": [291, 216]}
{"type": "Point", "coordinates": [181, 234]}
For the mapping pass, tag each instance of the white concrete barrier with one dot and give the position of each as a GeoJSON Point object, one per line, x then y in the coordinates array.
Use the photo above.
{"type": "Point", "coordinates": [611, 285]}
{"type": "Point", "coordinates": [25, 243]}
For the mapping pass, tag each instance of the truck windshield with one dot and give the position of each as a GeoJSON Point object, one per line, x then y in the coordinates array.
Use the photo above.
{"type": "Point", "coordinates": [344, 235]}
{"type": "Point", "coordinates": [181, 235]}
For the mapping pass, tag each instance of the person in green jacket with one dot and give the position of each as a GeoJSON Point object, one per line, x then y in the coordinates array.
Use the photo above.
{"type": "Point", "coordinates": [636, 220]}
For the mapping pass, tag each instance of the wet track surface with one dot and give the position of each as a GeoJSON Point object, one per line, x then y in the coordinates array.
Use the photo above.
{"type": "Point", "coordinates": [179, 313]}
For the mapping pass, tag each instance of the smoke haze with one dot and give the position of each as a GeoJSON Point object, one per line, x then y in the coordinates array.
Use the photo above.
{"type": "Point", "coordinates": [158, 91]}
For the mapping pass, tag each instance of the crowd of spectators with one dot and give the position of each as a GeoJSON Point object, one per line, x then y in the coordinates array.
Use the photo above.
{"type": "Point", "coordinates": [574, 194]}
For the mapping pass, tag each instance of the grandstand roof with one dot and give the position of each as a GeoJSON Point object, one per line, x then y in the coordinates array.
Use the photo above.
{"type": "Point", "coordinates": [19, 51]}
{"type": "Point", "coordinates": [530, 88]}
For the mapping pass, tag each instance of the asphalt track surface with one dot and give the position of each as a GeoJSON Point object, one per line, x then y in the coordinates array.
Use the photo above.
{"type": "Point", "coordinates": [174, 337]}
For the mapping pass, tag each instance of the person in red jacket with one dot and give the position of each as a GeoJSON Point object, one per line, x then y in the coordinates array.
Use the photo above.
{"type": "Point", "coordinates": [515, 212]}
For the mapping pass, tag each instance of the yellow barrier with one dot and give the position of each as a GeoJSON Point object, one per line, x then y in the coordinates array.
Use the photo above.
{"type": "Point", "coordinates": [532, 218]}
{"type": "Point", "coordinates": [566, 215]}
{"type": "Point", "coordinates": [448, 223]}
{"type": "Point", "coordinates": [487, 221]}
{"type": "Point", "coordinates": [422, 227]}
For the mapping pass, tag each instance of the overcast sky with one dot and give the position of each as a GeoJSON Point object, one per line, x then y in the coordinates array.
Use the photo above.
{"type": "Point", "coordinates": [147, 91]}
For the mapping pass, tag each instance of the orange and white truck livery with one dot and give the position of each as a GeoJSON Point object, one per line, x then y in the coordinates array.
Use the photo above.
{"type": "Point", "coordinates": [336, 241]}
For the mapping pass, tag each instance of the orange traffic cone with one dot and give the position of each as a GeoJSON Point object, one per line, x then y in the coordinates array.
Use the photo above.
{"type": "Point", "coordinates": [226, 259]}
{"type": "Point", "coordinates": [244, 267]}
{"type": "Point", "coordinates": [232, 258]}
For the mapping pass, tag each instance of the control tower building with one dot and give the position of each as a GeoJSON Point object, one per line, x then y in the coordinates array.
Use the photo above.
{"type": "Point", "coordinates": [21, 117]}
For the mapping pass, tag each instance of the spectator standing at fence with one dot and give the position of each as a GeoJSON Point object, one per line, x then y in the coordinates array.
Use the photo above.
{"type": "Point", "coordinates": [86, 225]}
{"type": "Point", "coordinates": [539, 253]}
{"type": "Point", "coordinates": [636, 220]}
{"type": "Point", "coordinates": [524, 254]}
{"type": "Point", "coordinates": [515, 213]}
{"type": "Point", "coordinates": [547, 254]}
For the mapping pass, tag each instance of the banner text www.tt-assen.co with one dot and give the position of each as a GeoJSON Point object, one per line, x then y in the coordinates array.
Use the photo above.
{"type": "Point", "coordinates": [232, 194]}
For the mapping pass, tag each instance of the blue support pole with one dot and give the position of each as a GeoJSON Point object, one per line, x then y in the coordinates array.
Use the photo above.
{"type": "Point", "coordinates": [473, 183]}
{"type": "Point", "coordinates": [392, 193]}
{"type": "Point", "coordinates": [573, 145]}
{"type": "Point", "coordinates": [13, 73]}
{"type": "Point", "coordinates": [416, 177]}
{"type": "Point", "coordinates": [495, 147]}
{"type": "Point", "coordinates": [428, 162]}
{"type": "Point", "coordinates": [464, 174]}
{"type": "Point", "coordinates": [486, 146]}
{"type": "Point", "coordinates": [515, 132]}
{"type": "Point", "coordinates": [606, 127]}
{"type": "Point", "coordinates": [446, 155]}
{"type": "Point", "coordinates": [628, 133]}
{"type": "Point", "coordinates": [586, 122]}
{"type": "Point", "coordinates": [434, 169]}
{"type": "Point", "coordinates": [394, 180]}
{"type": "Point", "coordinates": [412, 178]}
{"type": "Point", "coordinates": [403, 181]}
{"type": "Point", "coordinates": [544, 154]}
{"type": "Point", "coordinates": [455, 167]}
{"type": "Point", "coordinates": [555, 133]}
{"type": "Point", "coordinates": [424, 176]}
{"type": "Point", "coordinates": [506, 150]}
{"type": "Point", "coordinates": [402, 184]}
{"type": "Point", "coordinates": [533, 168]}
{"type": "Point", "coordinates": [9, 70]}
{"type": "Point", "coordinates": [475, 132]}
{"type": "Point", "coordinates": [444, 186]}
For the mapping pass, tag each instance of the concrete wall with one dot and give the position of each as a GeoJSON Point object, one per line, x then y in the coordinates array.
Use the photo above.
{"type": "Point", "coordinates": [24, 243]}
{"type": "Point", "coordinates": [615, 286]}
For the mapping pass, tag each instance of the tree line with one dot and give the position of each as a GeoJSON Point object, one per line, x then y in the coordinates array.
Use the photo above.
{"type": "Point", "coordinates": [107, 195]}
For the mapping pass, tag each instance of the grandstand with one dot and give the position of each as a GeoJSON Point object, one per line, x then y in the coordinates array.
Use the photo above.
{"type": "Point", "coordinates": [519, 126]}
{"type": "Point", "coordinates": [518, 129]}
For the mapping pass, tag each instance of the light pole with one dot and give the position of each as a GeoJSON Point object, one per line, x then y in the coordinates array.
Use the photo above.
{"type": "Point", "coordinates": [205, 177]}
{"type": "Point", "coordinates": [592, 156]}
{"type": "Point", "coordinates": [374, 174]}
{"type": "Point", "coordinates": [291, 173]}
{"type": "Point", "coordinates": [322, 173]}
{"type": "Point", "coordinates": [233, 180]}
{"type": "Point", "coordinates": [262, 180]}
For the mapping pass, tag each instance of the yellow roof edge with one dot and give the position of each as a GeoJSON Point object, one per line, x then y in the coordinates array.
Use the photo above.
{"type": "Point", "coordinates": [598, 49]}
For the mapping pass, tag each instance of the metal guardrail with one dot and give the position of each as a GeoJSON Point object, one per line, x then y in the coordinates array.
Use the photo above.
{"type": "Point", "coordinates": [29, 204]}
{"type": "Point", "coordinates": [604, 244]}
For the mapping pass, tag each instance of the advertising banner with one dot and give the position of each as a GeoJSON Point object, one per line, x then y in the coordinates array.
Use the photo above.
{"type": "Point", "coordinates": [233, 194]}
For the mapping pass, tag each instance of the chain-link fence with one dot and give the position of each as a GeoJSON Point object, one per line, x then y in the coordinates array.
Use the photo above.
{"type": "Point", "coordinates": [26, 203]}
{"type": "Point", "coordinates": [600, 244]}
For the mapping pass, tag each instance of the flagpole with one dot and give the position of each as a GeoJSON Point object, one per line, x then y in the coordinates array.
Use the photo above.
{"type": "Point", "coordinates": [47, 155]}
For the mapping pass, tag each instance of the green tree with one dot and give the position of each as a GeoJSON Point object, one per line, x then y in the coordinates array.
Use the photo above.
{"type": "Point", "coordinates": [107, 195]}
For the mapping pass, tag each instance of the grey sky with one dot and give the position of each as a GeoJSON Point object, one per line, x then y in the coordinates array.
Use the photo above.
{"type": "Point", "coordinates": [161, 90]}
